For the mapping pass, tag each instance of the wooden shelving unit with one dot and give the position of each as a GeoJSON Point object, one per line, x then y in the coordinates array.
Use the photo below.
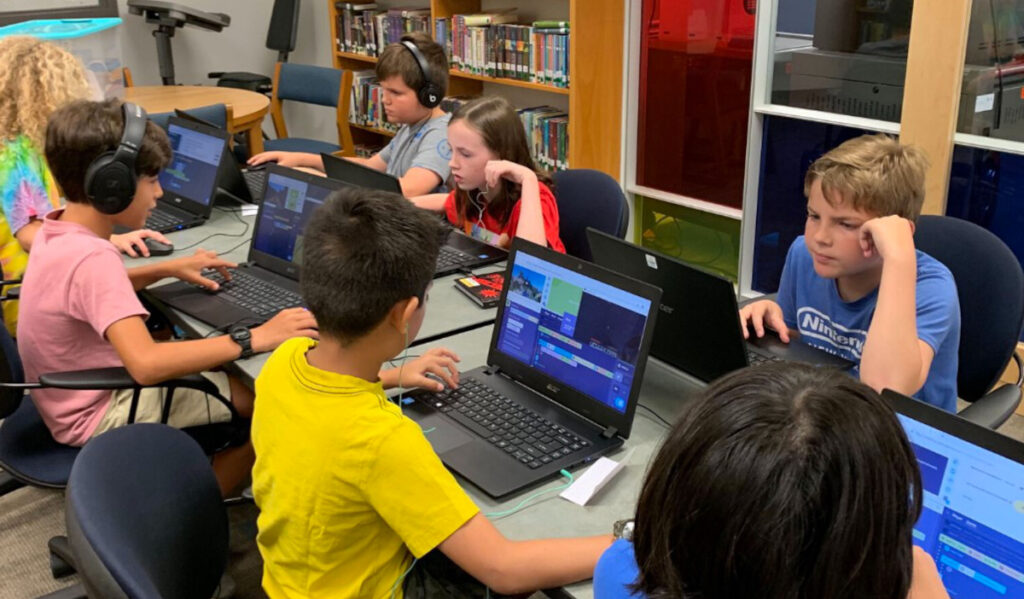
{"type": "Point", "coordinates": [595, 95]}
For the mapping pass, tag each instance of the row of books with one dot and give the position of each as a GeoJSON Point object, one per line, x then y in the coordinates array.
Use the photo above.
{"type": "Point", "coordinates": [364, 28]}
{"type": "Point", "coordinates": [367, 106]}
{"type": "Point", "coordinates": [547, 133]}
{"type": "Point", "coordinates": [491, 45]}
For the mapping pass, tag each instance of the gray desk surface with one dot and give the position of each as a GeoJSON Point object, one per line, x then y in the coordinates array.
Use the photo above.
{"type": "Point", "coordinates": [448, 310]}
{"type": "Point", "coordinates": [664, 390]}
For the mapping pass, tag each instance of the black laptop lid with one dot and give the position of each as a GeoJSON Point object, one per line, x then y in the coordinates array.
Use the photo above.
{"type": "Point", "coordinates": [190, 180]}
{"type": "Point", "coordinates": [972, 523]}
{"type": "Point", "coordinates": [698, 328]}
{"type": "Point", "coordinates": [351, 173]}
{"type": "Point", "coordinates": [574, 332]}
{"type": "Point", "coordinates": [290, 198]}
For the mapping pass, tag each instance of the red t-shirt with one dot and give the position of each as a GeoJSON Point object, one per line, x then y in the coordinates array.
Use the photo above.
{"type": "Point", "coordinates": [548, 209]}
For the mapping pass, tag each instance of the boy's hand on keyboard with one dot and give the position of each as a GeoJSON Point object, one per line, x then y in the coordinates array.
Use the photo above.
{"type": "Point", "coordinates": [759, 314]}
{"type": "Point", "coordinates": [439, 362]}
{"type": "Point", "coordinates": [293, 322]}
{"type": "Point", "coordinates": [190, 269]}
{"type": "Point", "coordinates": [133, 242]}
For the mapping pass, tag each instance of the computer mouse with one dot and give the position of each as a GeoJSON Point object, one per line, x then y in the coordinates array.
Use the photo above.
{"type": "Point", "coordinates": [158, 248]}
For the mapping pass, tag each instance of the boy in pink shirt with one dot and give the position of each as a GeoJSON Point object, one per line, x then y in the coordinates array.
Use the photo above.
{"type": "Point", "coordinates": [78, 304]}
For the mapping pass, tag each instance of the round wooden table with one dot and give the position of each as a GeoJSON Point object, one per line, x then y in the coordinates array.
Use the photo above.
{"type": "Point", "coordinates": [246, 109]}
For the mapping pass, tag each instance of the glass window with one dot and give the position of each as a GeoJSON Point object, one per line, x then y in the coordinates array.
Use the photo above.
{"type": "Point", "coordinates": [789, 148]}
{"type": "Point", "coordinates": [842, 56]}
{"type": "Point", "coordinates": [695, 237]}
{"type": "Point", "coordinates": [992, 95]}
{"type": "Point", "coordinates": [694, 97]}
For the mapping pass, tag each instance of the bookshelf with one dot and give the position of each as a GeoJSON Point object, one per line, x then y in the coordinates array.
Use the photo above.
{"type": "Point", "coordinates": [593, 99]}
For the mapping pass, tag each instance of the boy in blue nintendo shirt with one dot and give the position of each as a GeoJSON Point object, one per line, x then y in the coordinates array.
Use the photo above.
{"type": "Point", "coordinates": [854, 284]}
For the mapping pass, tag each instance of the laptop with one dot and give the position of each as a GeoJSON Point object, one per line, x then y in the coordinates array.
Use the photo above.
{"type": "Point", "coordinates": [699, 330]}
{"type": "Point", "coordinates": [972, 523]}
{"type": "Point", "coordinates": [563, 373]}
{"type": "Point", "coordinates": [190, 181]}
{"type": "Point", "coordinates": [242, 184]}
{"type": "Point", "coordinates": [460, 253]}
{"type": "Point", "coordinates": [269, 281]}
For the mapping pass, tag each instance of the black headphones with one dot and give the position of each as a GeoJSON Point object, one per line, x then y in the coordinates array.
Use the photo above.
{"type": "Point", "coordinates": [429, 94]}
{"type": "Point", "coordinates": [110, 178]}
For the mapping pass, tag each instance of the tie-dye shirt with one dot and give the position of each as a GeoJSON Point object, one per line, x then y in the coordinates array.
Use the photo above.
{"type": "Point", "coordinates": [27, 191]}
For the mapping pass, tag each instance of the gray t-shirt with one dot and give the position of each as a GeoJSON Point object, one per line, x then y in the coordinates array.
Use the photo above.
{"type": "Point", "coordinates": [423, 145]}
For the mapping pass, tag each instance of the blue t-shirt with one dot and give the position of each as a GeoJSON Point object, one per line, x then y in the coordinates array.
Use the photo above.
{"type": "Point", "coordinates": [615, 571]}
{"type": "Point", "coordinates": [811, 304]}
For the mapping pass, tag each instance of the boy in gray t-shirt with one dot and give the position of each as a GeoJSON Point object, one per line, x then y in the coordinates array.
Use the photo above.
{"type": "Point", "coordinates": [412, 87]}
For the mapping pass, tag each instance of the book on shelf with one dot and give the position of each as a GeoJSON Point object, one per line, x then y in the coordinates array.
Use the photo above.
{"type": "Point", "coordinates": [505, 49]}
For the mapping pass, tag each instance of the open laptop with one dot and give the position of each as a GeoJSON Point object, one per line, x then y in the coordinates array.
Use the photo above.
{"type": "Point", "coordinates": [242, 184]}
{"type": "Point", "coordinates": [459, 253]}
{"type": "Point", "coordinates": [972, 523]}
{"type": "Point", "coordinates": [564, 369]}
{"type": "Point", "coordinates": [269, 281]}
{"type": "Point", "coordinates": [699, 330]}
{"type": "Point", "coordinates": [190, 181]}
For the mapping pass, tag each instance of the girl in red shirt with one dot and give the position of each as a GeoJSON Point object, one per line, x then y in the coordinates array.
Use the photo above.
{"type": "Point", "coordinates": [497, 192]}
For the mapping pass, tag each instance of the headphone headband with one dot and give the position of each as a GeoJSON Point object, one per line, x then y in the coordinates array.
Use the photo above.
{"type": "Point", "coordinates": [429, 94]}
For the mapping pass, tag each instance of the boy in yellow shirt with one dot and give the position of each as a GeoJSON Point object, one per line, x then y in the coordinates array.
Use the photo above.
{"type": "Point", "coordinates": [352, 496]}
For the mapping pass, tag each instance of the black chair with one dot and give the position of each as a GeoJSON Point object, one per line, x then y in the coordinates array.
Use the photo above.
{"type": "Point", "coordinates": [281, 36]}
{"type": "Point", "coordinates": [144, 516]}
{"type": "Point", "coordinates": [990, 285]}
{"type": "Point", "coordinates": [588, 198]}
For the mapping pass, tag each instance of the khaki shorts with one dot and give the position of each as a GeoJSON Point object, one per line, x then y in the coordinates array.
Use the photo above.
{"type": "Point", "coordinates": [188, 408]}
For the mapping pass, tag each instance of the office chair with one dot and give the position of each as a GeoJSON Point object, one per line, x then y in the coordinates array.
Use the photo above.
{"type": "Point", "coordinates": [144, 516]}
{"type": "Point", "coordinates": [990, 285]}
{"type": "Point", "coordinates": [324, 86]}
{"type": "Point", "coordinates": [588, 198]}
{"type": "Point", "coordinates": [281, 36]}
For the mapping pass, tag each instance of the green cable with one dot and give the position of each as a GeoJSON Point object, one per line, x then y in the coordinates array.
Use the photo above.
{"type": "Point", "coordinates": [504, 513]}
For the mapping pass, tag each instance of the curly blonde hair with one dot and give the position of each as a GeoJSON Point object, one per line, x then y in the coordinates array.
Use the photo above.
{"type": "Point", "coordinates": [38, 78]}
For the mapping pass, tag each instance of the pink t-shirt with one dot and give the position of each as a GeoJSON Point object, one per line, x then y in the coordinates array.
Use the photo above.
{"type": "Point", "coordinates": [75, 287]}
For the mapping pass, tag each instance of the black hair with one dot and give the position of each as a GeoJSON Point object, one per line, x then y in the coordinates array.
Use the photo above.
{"type": "Point", "coordinates": [80, 131]}
{"type": "Point", "coordinates": [364, 251]}
{"type": "Point", "coordinates": [782, 482]}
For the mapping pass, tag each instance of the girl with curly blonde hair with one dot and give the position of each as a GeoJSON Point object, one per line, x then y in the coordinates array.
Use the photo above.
{"type": "Point", "coordinates": [38, 78]}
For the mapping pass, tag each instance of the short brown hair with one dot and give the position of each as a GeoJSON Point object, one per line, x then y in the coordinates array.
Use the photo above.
{"type": "Point", "coordinates": [875, 173]}
{"type": "Point", "coordinates": [80, 131]}
{"type": "Point", "coordinates": [398, 60]}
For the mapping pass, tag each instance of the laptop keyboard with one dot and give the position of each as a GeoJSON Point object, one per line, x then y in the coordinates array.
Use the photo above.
{"type": "Point", "coordinates": [256, 181]}
{"type": "Point", "coordinates": [450, 258]}
{"type": "Point", "coordinates": [504, 423]}
{"type": "Point", "coordinates": [164, 221]}
{"type": "Point", "coordinates": [756, 359]}
{"type": "Point", "coordinates": [254, 294]}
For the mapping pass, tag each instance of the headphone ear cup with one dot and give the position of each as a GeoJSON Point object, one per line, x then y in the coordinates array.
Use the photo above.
{"type": "Point", "coordinates": [109, 185]}
{"type": "Point", "coordinates": [430, 95]}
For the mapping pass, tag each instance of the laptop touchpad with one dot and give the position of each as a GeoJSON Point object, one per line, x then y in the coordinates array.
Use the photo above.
{"type": "Point", "coordinates": [445, 436]}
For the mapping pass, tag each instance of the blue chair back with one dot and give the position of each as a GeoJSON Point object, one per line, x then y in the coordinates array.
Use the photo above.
{"type": "Point", "coordinates": [309, 83]}
{"type": "Point", "coordinates": [215, 114]}
{"type": "Point", "coordinates": [144, 516]}
{"type": "Point", "coordinates": [588, 198]}
{"type": "Point", "coordinates": [990, 286]}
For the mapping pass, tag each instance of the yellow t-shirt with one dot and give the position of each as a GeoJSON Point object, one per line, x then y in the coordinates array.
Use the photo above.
{"type": "Point", "coordinates": [347, 487]}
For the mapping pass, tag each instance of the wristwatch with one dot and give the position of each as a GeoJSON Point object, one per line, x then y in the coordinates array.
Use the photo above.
{"type": "Point", "coordinates": [243, 337]}
{"type": "Point", "coordinates": [623, 529]}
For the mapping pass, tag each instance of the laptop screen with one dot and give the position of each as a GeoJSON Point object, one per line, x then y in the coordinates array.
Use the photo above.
{"type": "Point", "coordinates": [192, 173]}
{"type": "Point", "coordinates": [288, 203]}
{"type": "Point", "coordinates": [576, 329]}
{"type": "Point", "coordinates": [972, 523]}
